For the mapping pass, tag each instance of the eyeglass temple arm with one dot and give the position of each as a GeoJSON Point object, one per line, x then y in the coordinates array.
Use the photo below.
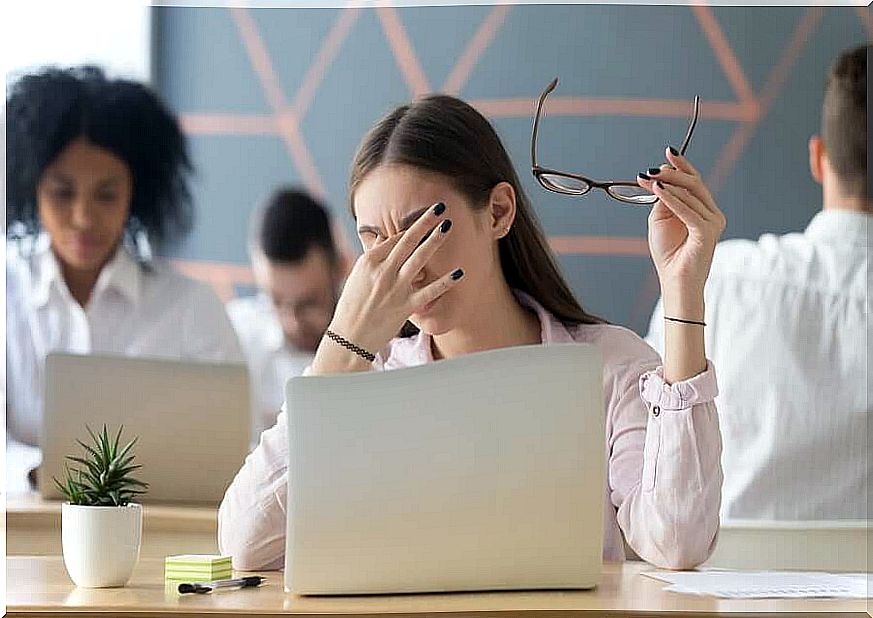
{"type": "Point", "coordinates": [692, 124]}
{"type": "Point", "coordinates": [554, 83]}
{"type": "Point", "coordinates": [536, 126]}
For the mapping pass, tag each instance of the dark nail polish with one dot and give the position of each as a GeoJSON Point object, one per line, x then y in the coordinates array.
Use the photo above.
{"type": "Point", "coordinates": [673, 151]}
{"type": "Point", "coordinates": [457, 274]}
{"type": "Point", "coordinates": [445, 226]}
{"type": "Point", "coordinates": [439, 209]}
{"type": "Point", "coordinates": [659, 184]}
{"type": "Point", "coordinates": [654, 171]}
{"type": "Point", "coordinates": [644, 176]}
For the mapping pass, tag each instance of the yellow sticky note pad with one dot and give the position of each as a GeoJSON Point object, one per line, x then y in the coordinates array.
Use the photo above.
{"type": "Point", "coordinates": [197, 567]}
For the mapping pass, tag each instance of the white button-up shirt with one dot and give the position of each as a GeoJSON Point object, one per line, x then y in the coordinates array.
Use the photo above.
{"type": "Point", "coordinates": [134, 310]}
{"type": "Point", "coordinates": [788, 321]}
{"type": "Point", "coordinates": [271, 360]}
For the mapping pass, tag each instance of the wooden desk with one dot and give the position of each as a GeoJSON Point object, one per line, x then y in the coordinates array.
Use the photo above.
{"type": "Point", "coordinates": [39, 585]}
{"type": "Point", "coordinates": [33, 527]}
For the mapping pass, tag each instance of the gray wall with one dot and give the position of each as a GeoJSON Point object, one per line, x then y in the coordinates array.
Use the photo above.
{"type": "Point", "coordinates": [228, 71]}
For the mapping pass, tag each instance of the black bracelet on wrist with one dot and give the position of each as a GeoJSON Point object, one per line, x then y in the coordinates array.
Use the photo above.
{"type": "Point", "coordinates": [684, 321]}
{"type": "Point", "coordinates": [369, 356]}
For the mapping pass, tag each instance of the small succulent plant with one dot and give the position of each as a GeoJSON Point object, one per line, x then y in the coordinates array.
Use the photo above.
{"type": "Point", "coordinates": [104, 476]}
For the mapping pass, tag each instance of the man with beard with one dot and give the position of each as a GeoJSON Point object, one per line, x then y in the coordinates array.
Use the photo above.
{"type": "Point", "coordinates": [298, 272]}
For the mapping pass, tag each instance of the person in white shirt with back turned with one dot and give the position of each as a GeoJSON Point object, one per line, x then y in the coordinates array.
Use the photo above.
{"type": "Point", "coordinates": [788, 319]}
{"type": "Point", "coordinates": [97, 174]}
{"type": "Point", "coordinates": [298, 271]}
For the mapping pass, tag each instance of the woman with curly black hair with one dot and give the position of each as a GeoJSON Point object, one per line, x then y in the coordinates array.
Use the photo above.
{"type": "Point", "coordinates": [97, 174]}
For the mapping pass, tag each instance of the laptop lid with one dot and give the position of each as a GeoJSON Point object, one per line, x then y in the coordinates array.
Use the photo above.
{"type": "Point", "coordinates": [476, 473]}
{"type": "Point", "coordinates": [192, 419]}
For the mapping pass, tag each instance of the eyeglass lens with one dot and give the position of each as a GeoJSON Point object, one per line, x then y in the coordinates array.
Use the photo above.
{"type": "Point", "coordinates": [564, 184]}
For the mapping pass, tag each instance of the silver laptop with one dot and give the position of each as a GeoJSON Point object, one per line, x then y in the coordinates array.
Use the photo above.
{"type": "Point", "coordinates": [484, 472]}
{"type": "Point", "coordinates": [192, 419]}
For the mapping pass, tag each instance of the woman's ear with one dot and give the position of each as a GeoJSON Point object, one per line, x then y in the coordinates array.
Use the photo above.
{"type": "Point", "coordinates": [502, 207]}
{"type": "Point", "coordinates": [816, 158]}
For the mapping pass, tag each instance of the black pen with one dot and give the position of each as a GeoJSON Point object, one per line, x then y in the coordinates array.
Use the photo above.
{"type": "Point", "coordinates": [204, 587]}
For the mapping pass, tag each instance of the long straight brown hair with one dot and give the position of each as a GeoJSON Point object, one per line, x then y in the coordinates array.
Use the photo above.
{"type": "Point", "coordinates": [442, 134]}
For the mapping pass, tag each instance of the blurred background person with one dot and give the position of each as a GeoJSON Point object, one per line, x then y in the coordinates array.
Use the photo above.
{"type": "Point", "coordinates": [795, 310]}
{"type": "Point", "coordinates": [298, 272]}
{"type": "Point", "coordinates": [97, 175]}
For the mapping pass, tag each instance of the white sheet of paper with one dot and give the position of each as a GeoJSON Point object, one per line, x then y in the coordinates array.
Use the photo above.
{"type": "Point", "coordinates": [766, 584]}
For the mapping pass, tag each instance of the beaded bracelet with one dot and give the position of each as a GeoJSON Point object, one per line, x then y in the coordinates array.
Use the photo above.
{"type": "Point", "coordinates": [350, 346]}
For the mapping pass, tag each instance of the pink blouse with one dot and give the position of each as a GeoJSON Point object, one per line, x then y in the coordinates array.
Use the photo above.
{"type": "Point", "coordinates": [663, 488]}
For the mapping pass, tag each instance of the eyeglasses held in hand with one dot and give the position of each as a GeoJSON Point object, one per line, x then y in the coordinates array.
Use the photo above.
{"type": "Point", "coordinates": [627, 191]}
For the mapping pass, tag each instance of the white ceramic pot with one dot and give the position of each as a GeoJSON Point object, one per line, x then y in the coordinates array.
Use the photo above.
{"type": "Point", "coordinates": [101, 543]}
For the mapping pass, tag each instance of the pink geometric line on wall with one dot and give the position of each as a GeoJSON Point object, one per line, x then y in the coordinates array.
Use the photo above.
{"type": "Point", "coordinates": [729, 155]}
{"type": "Point", "coordinates": [228, 124]}
{"type": "Point", "coordinates": [779, 74]}
{"type": "Point", "coordinates": [286, 120]}
{"type": "Point", "coordinates": [404, 53]}
{"type": "Point", "coordinates": [733, 149]}
{"type": "Point", "coordinates": [259, 58]}
{"type": "Point", "coordinates": [599, 245]}
{"type": "Point", "coordinates": [290, 130]}
{"type": "Point", "coordinates": [616, 106]}
{"type": "Point", "coordinates": [324, 58]}
{"type": "Point", "coordinates": [222, 276]}
{"type": "Point", "coordinates": [245, 124]}
{"type": "Point", "coordinates": [866, 19]}
{"type": "Point", "coordinates": [724, 53]}
{"type": "Point", "coordinates": [480, 41]}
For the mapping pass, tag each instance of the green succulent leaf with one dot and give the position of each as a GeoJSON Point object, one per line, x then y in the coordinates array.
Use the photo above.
{"type": "Point", "coordinates": [129, 446]}
{"type": "Point", "coordinates": [104, 477]}
{"type": "Point", "coordinates": [92, 467]}
{"type": "Point", "coordinates": [117, 437]}
{"type": "Point", "coordinates": [89, 450]}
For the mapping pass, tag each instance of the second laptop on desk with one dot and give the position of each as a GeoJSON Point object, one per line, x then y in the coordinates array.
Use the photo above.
{"type": "Point", "coordinates": [192, 420]}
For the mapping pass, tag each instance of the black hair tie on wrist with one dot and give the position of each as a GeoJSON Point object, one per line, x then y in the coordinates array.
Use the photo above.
{"type": "Point", "coordinates": [369, 356]}
{"type": "Point", "coordinates": [666, 317]}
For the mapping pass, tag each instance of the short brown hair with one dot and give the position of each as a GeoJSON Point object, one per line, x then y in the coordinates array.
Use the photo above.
{"type": "Point", "coordinates": [844, 120]}
{"type": "Point", "coordinates": [289, 224]}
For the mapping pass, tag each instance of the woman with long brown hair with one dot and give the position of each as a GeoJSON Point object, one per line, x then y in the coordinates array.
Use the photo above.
{"type": "Point", "coordinates": [455, 261]}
